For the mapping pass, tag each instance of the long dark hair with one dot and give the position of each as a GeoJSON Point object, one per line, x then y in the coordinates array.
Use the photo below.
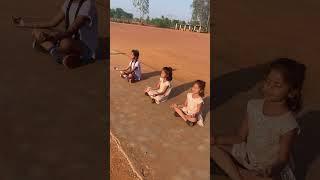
{"type": "Point", "coordinates": [293, 73]}
{"type": "Point", "coordinates": [201, 85]}
{"type": "Point", "coordinates": [168, 71]}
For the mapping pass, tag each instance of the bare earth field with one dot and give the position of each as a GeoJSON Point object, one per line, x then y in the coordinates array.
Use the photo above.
{"type": "Point", "coordinates": [187, 52]}
{"type": "Point", "coordinates": [159, 145]}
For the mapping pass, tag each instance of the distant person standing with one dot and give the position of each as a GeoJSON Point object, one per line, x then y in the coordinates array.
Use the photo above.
{"type": "Point", "coordinates": [77, 43]}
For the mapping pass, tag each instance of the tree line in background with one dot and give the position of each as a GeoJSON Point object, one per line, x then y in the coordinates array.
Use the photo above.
{"type": "Point", "coordinates": [119, 13]}
{"type": "Point", "coordinates": [200, 14]}
{"type": "Point", "coordinates": [163, 22]}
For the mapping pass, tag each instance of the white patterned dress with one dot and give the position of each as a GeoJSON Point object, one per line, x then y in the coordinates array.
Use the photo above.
{"type": "Point", "coordinates": [262, 147]}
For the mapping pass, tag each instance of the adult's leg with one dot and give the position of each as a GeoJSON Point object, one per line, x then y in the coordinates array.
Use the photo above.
{"type": "Point", "coordinates": [71, 51]}
{"type": "Point", "coordinates": [39, 36]}
{"type": "Point", "coordinates": [70, 46]}
{"type": "Point", "coordinates": [222, 156]}
{"type": "Point", "coordinates": [249, 175]}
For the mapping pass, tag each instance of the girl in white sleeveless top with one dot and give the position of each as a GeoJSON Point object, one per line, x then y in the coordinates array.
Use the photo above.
{"type": "Point", "coordinates": [132, 72]}
{"type": "Point", "coordinates": [190, 111]}
{"type": "Point", "coordinates": [163, 88]}
{"type": "Point", "coordinates": [261, 149]}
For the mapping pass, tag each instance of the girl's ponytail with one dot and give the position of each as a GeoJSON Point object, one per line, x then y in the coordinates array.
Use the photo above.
{"type": "Point", "coordinates": [168, 71]}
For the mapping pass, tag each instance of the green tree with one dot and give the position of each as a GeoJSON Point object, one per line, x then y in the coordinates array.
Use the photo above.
{"type": "Point", "coordinates": [201, 12]}
{"type": "Point", "coordinates": [119, 13]}
{"type": "Point", "coordinates": [142, 6]}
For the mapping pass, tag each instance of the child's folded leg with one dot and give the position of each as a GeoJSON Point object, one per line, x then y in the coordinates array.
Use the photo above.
{"type": "Point", "coordinates": [123, 74]}
{"type": "Point", "coordinates": [131, 78]}
{"type": "Point", "coordinates": [158, 99]}
{"type": "Point", "coordinates": [151, 92]}
{"type": "Point", "coordinates": [225, 161]}
{"type": "Point", "coordinates": [192, 119]}
{"type": "Point", "coordinates": [180, 112]}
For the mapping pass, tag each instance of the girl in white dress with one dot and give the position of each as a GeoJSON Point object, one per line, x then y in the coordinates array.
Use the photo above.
{"type": "Point", "coordinates": [163, 88]}
{"type": "Point", "coordinates": [190, 111]}
{"type": "Point", "coordinates": [261, 149]}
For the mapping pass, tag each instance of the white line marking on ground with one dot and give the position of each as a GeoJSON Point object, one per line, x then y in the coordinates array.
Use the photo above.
{"type": "Point", "coordinates": [125, 155]}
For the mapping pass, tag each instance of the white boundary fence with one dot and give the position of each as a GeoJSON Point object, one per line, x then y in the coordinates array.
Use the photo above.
{"type": "Point", "coordinates": [188, 27]}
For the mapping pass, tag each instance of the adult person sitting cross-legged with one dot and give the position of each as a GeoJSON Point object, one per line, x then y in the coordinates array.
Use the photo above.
{"type": "Point", "coordinates": [77, 43]}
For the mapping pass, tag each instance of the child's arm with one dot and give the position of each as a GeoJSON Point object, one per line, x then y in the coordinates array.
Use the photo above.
{"type": "Point", "coordinates": [180, 106]}
{"type": "Point", "coordinates": [55, 21]}
{"type": "Point", "coordinates": [235, 139]}
{"type": "Point", "coordinates": [124, 69]}
{"type": "Point", "coordinates": [286, 142]}
{"type": "Point", "coordinates": [131, 70]}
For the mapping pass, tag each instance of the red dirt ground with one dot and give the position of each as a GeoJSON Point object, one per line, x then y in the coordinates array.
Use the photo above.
{"type": "Point", "coordinates": [187, 52]}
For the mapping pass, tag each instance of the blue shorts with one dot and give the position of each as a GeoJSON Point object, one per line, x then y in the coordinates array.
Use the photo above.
{"type": "Point", "coordinates": [86, 54]}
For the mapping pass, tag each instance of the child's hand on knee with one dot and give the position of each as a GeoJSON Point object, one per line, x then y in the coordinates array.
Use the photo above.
{"type": "Point", "coordinates": [174, 106]}
{"type": "Point", "coordinates": [180, 106]}
{"type": "Point", "coordinates": [147, 89]}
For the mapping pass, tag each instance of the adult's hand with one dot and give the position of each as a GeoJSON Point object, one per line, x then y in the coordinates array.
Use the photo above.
{"type": "Point", "coordinates": [18, 21]}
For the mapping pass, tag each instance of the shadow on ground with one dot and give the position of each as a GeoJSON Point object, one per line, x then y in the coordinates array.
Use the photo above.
{"type": "Point", "coordinates": [206, 108]}
{"type": "Point", "coordinates": [150, 74]}
{"type": "Point", "coordinates": [306, 149]}
{"type": "Point", "coordinates": [176, 91]}
{"type": "Point", "coordinates": [230, 84]}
